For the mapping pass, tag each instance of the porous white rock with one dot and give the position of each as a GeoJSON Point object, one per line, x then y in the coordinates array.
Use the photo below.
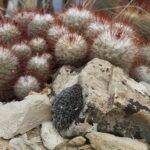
{"type": "Point", "coordinates": [111, 97]}
{"type": "Point", "coordinates": [23, 143]}
{"type": "Point", "coordinates": [67, 76]}
{"type": "Point", "coordinates": [147, 86]}
{"type": "Point", "coordinates": [104, 141]}
{"type": "Point", "coordinates": [20, 117]}
{"type": "Point", "coordinates": [50, 136]}
{"type": "Point", "coordinates": [77, 141]}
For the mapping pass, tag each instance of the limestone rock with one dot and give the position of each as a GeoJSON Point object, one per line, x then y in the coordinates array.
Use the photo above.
{"type": "Point", "coordinates": [147, 86]}
{"type": "Point", "coordinates": [66, 77]}
{"type": "Point", "coordinates": [94, 79]}
{"type": "Point", "coordinates": [111, 98]}
{"type": "Point", "coordinates": [50, 136]}
{"type": "Point", "coordinates": [86, 147]}
{"type": "Point", "coordinates": [77, 141]}
{"type": "Point", "coordinates": [77, 129]}
{"type": "Point", "coordinates": [65, 146]}
{"type": "Point", "coordinates": [103, 141]}
{"type": "Point", "coordinates": [23, 143]}
{"type": "Point", "coordinates": [20, 117]}
{"type": "Point", "coordinates": [3, 144]}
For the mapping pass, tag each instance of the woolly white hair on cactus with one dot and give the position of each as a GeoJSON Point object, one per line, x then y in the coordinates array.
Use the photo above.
{"type": "Point", "coordinates": [38, 45]}
{"type": "Point", "coordinates": [124, 28]}
{"type": "Point", "coordinates": [142, 73]}
{"type": "Point", "coordinates": [39, 67]}
{"type": "Point", "coordinates": [145, 52]}
{"type": "Point", "coordinates": [23, 18]}
{"type": "Point", "coordinates": [55, 32]}
{"type": "Point", "coordinates": [26, 84]}
{"type": "Point", "coordinates": [22, 51]}
{"type": "Point", "coordinates": [116, 47]}
{"type": "Point", "coordinates": [70, 48]}
{"type": "Point", "coordinates": [77, 18]}
{"type": "Point", "coordinates": [8, 66]}
{"type": "Point", "coordinates": [40, 23]}
{"type": "Point", "coordinates": [8, 32]}
{"type": "Point", "coordinates": [96, 28]}
{"type": "Point", "coordinates": [49, 58]}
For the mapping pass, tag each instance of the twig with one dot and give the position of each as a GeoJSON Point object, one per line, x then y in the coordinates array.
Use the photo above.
{"type": "Point", "coordinates": [11, 8]}
{"type": "Point", "coordinates": [123, 9]}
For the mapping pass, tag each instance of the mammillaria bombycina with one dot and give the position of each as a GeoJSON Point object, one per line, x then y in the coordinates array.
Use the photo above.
{"type": "Point", "coordinates": [117, 46]}
{"type": "Point", "coordinates": [21, 51]}
{"type": "Point", "coordinates": [26, 84]}
{"type": "Point", "coordinates": [39, 67]}
{"type": "Point", "coordinates": [142, 73]}
{"type": "Point", "coordinates": [77, 18]}
{"type": "Point", "coordinates": [70, 48]}
{"type": "Point", "coordinates": [39, 24]}
{"type": "Point", "coordinates": [8, 66]}
{"type": "Point", "coordinates": [8, 33]}
{"type": "Point", "coordinates": [38, 45]}
{"type": "Point", "coordinates": [37, 42]}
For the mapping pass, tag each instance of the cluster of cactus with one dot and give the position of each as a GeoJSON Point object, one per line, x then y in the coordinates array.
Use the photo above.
{"type": "Point", "coordinates": [34, 42]}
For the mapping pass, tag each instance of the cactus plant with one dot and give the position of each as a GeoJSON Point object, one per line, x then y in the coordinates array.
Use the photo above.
{"type": "Point", "coordinates": [95, 28]}
{"type": "Point", "coordinates": [8, 33]}
{"type": "Point", "coordinates": [38, 41]}
{"type": "Point", "coordinates": [26, 84]}
{"type": "Point", "coordinates": [142, 73]}
{"type": "Point", "coordinates": [139, 18]}
{"type": "Point", "coordinates": [77, 18]}
{"type": "Point", "coordinates": [70, 48]}
{"type": "Point", "coordinates": [8, 72]}
{"type": "Point", "coordinates": [145, 52]}
{"type": "Point", "coordinates": [22, 51]}
{"type": "Point", "coordinates": [38, 45]}
{"type": "Point", "coordinates": [8, 66]}
{"type": "Point", "coordinates": [23, 19]}
{"type": "Point", "coordinates": [39, 67]}
{"type": "Point", "coordinates": [55, 32]}
{"type": "Point", "coordinates": [115, 45]}
{"type": "Point", "coordinates": [39, 24]}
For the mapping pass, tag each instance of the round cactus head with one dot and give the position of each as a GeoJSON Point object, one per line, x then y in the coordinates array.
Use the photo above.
{"type": "Point", "coordinates": [55, 32]}
{"type": "Point", "coordinates": [26, 84]}
{"type": "Point", "coordinates": [22, 51]}
{"type": "Point", "coordinates": [40, 24]}
{"type": "Point", "coordinates": [142, 73]}
{"type": "Point", "coordinates": [145, 53]}
{"type": "Point", "coordinates": [8, 73]}
{"type": "Point", "coordinates": [116, 46]}
{"type": "Point", "coordinates": [126, 29]}
{"type": "Point", "coordinates": [77, 18]}
{"type": "Point", "coordinates": [96, 28]}
{"type": "Point", "coordinates": [70, 48]}
{"type": "Point", "coordinates": [8, 66]}
{"type": "Point", "coordinates": [8, 33]}
{"type": "Point", "coordinates": [23, 18]}
{"type": "Point", "coordinates": [49, 58]}
{"type": "Point", "coordinates": [39, 66]}
{"type": "Point", "coordinates": [38, 45]}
